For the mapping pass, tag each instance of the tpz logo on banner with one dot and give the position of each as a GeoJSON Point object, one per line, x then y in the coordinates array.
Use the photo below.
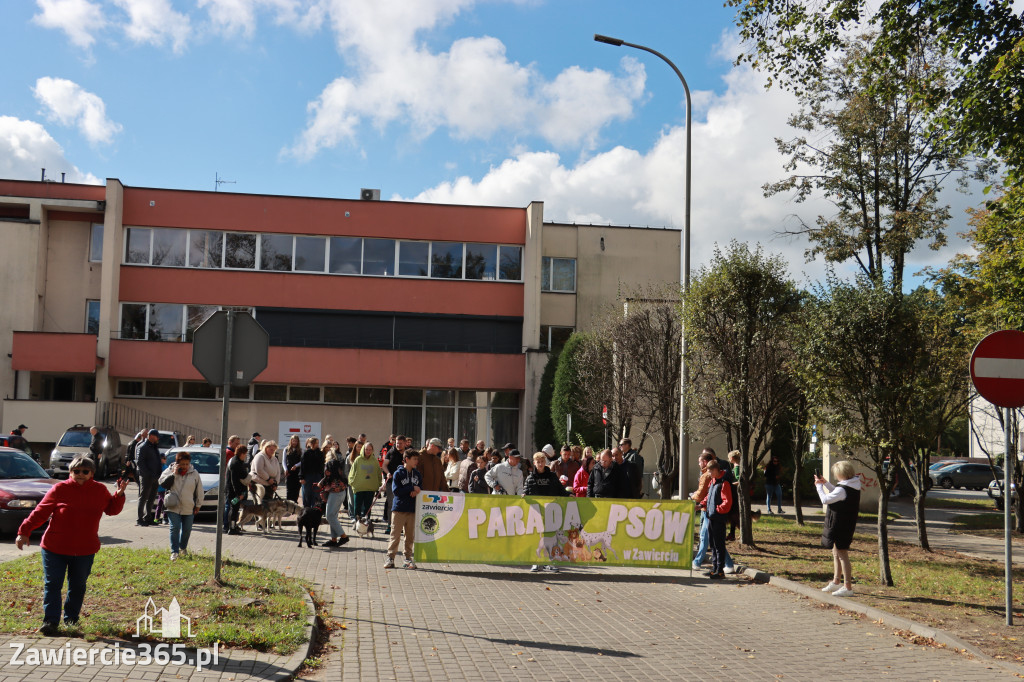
{"type": "Point", "coordinates": [437, 499]}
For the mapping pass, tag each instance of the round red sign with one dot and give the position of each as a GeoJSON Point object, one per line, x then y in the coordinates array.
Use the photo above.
{"type": "Point", "coordinates": [997, 368]}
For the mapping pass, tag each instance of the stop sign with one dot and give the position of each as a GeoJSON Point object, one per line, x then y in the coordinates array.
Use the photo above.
{"type": "Point", "coordinates": [997, 368]}
{"type": "Point", "coordinates": [249, 348]}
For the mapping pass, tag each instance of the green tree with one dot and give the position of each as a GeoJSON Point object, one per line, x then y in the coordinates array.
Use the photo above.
{"type": "Point", "coordinates": [738, 317]}
{"type": "Point", "coordinates": [978, 108]}
{"type": "Point", "coordinates": [864, 143]}
{"type": "Point", "coordinates": [859, 352]}
{"type": "Point", "coordinates": [544, 428]}
{"type": "Point", "coordinates": [568, 384]}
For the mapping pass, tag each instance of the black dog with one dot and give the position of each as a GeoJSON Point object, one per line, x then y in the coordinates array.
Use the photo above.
{"type": "Point", "coordinates": [309, 519]}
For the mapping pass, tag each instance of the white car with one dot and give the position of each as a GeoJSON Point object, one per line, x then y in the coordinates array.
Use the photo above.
{"type": "Point", "coordinates": [995, 491]}
{"type": "Point", "coordinates": [207, 462]}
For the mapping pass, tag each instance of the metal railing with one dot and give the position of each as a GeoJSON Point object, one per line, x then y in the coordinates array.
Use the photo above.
{"type": "Point", "coordinates": [130, 420]}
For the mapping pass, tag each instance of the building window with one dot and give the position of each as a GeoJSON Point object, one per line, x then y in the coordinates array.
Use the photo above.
{"type": "Point", "coordinates": [408, 396]}
{"type": "Point", "coordinates": [276, 393]}
{"type": "Point", "coordinates": [205, 249]}
{"type": "Point", "coordinates": [239, 250]}
{"type": "Point", "coordinates": [129, 388]}
{"type": "Point", "coordinates": [413, 259]}
{"type": "Point", "coordinates": [305, 394]}
{"type": "Point", "coordinates": [511, 267]}
{"type": "Point", "coordinates": [165, 321]}
{"type": "Point", "coordinates": [96, 243]}
{"type": "Point", "coordinates": [92, 317]}
{"type": "Point", "coordinates": [163, 389]}
{"type": "Point", "coordinates": [343, 395]}
{"type": "Point", "coordinates": [446, 260]}
{"type": "Point", "coordinates": [553, 338]}
{"type": "Point", "coordinates": [481, 261]}
{"type": "Point", "coordinates": [374, 396]}
{"type": "Point", "coordinates": [169, 247]}
{"type": "Point", "coordinates": [136, 249]}
{"type": "Point", "coordinates": [408, 421]}
{"type": "Point", "coordinates": [276, 252]}
{"type": "Point", "coordinates": [310, 254]}
{"type": "Point", "coordinates": [379, 257]}
{"type": "Point", "coordinates": [347, 252]}
{"type": "Point", "coordinates": [558, 275]}
{"type": "Point", "coordinates": [133, 320]}
{"type": "Point", "coordinates": [198, 390]}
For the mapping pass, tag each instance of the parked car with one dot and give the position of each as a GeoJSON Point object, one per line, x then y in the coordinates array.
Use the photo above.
{"type": "Point", "coordinates": [18, 443]}
{"type": "Point", "coordinates": [167, 440]}
{"type": "Point", "coordinates": [969, 476]}
{"type": "Point", "coordinates": [995, 491]}
{"type": "Point", "coordinates": [75, 441]}
{"type": "Point", "coordinates": [23, 483]}
{"type": "Point", "coordinates": [207, 462]}
{"type": "Point", "coordinates": [941, 465]}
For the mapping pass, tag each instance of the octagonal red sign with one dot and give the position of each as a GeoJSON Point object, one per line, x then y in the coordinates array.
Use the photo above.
{"type": "Point", "coordinates": [997, 368]}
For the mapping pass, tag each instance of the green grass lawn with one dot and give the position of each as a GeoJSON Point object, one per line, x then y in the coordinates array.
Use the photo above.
{"type": "Point", "coordinates": [945, 589]}
{"type": "Point", "coordinates": [254, 608]}
{"type": "Point", "coordinates": [989, 525]}
{"type": "Point", "coordinates": [936, 503]}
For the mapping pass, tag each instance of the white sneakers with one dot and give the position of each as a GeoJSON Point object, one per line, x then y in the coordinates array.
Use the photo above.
{"type": "Point", "coordinates": [729, 570]}
{"type": "Point", "coordinates": [389, 562]}
{"type": "Point", "coordinates": [174, 556]}
{"type": "Point", "coordinates": [837, 590]}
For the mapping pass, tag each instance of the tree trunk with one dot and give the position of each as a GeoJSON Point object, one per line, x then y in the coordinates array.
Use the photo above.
{"type": "Point", "coordinates": [798, 467]}
{"type": "Point", "coordinates": [922, 527]}
{"type": "Point", "coordinates": [743, 486]}
{"type": "Point", "coordinates": [884, 570]}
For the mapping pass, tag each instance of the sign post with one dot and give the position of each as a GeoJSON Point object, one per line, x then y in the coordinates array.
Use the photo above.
{"type": "Point", "coordinates": [997, 370]}
{"type": "Point", "coordinates": [229, 349]}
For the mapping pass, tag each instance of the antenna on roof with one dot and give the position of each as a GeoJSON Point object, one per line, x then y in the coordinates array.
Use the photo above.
{"type": "Point", "coordinates": [218, 181]}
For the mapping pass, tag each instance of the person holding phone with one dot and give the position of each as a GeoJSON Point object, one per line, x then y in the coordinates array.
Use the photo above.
{"type": "Point", "coordinates": [182, 500]}
{"type": "Point", "coordinates": [843, 508]}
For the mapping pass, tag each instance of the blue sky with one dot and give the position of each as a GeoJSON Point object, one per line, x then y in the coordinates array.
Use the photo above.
{"type": "Point", "coordinates": [463, 101]}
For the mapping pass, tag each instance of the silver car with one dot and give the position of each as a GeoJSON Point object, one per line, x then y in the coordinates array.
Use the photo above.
{"type": "Point", "coordinates": [206, 461]}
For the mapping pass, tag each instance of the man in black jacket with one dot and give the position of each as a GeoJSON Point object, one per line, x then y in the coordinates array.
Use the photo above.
{"type": "Point", "coordinates": [149, 468]}
{"type": "Point", "coordinates": [393, 459]}
{"type": "Point", "coordinates": [95, 445]}
{"type": "Point", "coordinates": [237, 486]}
{"type": "Point", "coordinates": [606, 480]}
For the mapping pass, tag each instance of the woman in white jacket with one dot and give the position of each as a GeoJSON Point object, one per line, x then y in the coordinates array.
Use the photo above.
{"type": "Point", "coordinates": [267, 471]}
{"type": "Point", "coordinates": [182, 500]}
{"type": "Point", "coordinates": [842, 508]}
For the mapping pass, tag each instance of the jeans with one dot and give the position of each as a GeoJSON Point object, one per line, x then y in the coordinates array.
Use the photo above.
{"type": "Point", "coordinates": [181, 529]}
{"type": "Point", "coordinates": [54, 567]}
{"type": "Point", "coordinates": [389, 501]}
{"type": "Point", "coordinates": [705, 542]}
{"type": "Point", "coordinates": [310, 494]}
{"type": "Point", "coordinates": [231, 511]}
{"type": "Point", "coordinates": [147, 496]}
{"type": "Point", "coordinates": [717, 539]}
{"type": "Point", "coordinates": [334, 501]}
{"type": "Point", "coordinates": [770, 490]}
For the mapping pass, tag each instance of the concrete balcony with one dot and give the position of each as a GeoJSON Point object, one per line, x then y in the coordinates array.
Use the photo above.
{"type": "Point", "coordinates": [54, 352]}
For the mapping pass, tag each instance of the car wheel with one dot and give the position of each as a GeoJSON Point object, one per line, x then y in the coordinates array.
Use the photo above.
{"type": "Point", "coordinates": [946, 483]}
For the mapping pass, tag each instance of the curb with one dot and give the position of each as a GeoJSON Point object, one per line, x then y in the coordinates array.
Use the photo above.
{"type": "Point", "coordinates": [294, 663]}
{"type": "Point", "coordinates": [883, 618]}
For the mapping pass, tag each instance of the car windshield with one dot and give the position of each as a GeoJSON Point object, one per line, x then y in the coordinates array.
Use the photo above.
{"type": "Point", "coordinates": [165, 440]}
{"type": "Point", "coordinates": [17, 465]}
{"type": "Point", "coordinates": [75, 439]}
{"type": "Point", "coordinates": [204, 462]}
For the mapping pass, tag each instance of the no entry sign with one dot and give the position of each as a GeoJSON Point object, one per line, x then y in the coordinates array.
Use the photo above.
{"type": "Point", "coordinates": [997, 368]}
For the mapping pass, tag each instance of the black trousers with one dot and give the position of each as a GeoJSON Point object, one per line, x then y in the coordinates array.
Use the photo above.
{"type": "Point", "coordinates": [147, 496]}
{"type": "Point", "coordinates": [718, 551]}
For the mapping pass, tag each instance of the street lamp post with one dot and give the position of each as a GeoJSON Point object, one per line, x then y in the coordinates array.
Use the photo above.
{"type": "Point", "coordinates": [684, 373]}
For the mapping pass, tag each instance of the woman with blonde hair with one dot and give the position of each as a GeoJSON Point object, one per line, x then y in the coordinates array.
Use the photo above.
{"type": "Point", "coordinates": [843, 507]}
{"type": "Point", "coordinates": [364, 478]}
{"type": "Point", "coordinates": [267, 470]}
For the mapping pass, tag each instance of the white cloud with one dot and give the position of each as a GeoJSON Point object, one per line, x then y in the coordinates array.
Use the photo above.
{"type": "Point", "coordinates": [155, 22]}
{"type": "Point", "coordinates": [238, 17]}
{"type": "Point", "coordinates": [69, 104]}
{"type": "Point", "coordinates": [79, 19]}
{"type": "Point", "coordinates": [734, 154]}
{"type": "Point", "coordinates": [26, 147]}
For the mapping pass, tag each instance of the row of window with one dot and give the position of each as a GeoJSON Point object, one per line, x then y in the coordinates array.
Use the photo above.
{"type": "Point", "coordinates": [558, 275]}
{"type": "Point", "coordinates": [333, 395]}
{"type": "Point", "coordinates": [169, 247]}
{"type": "Point", "coordinates": [166, 321]}
{"type": "Point", "coordinates": [419, 414]}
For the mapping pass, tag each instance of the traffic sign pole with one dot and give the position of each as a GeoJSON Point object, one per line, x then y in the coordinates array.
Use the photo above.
{"type": "Point", "coordinates": [1008, 465]}
{"type": "Point", "coordinates": [221, 494]}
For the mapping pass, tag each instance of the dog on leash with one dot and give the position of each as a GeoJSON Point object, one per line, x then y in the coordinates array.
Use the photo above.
{"type": "Point", "coordinates": [260, 512]}
{"type": "Point", "coordinates": [281, 508]}
{"type": "Point", "coordinates": [309, 520]}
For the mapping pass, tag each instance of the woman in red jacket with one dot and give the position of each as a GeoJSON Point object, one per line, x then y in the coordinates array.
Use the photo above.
{"type": "Point", "coordinates": [70, 543]}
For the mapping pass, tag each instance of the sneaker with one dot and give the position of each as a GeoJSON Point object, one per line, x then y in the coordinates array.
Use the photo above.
{"type": "Point", "coordinates": [174, 556]}
{"type": "Point", "coordinates": [49, 629]}
{"type": "Point", "coordinates": [716, 576]}
{"type": "Point", "coordinates": [69, 623]}
{"type": "Point", "coordinates": [387, 531]}
{"type": "Point", "coordinates": [535, 569]}
{"type": "Point", "coordinates": [831, 587]}
{"type": "Point", "coordinates": [342, 540]}
{"type": "Point", "coordinates": [694, 566]}
{"type": "Point", "coordinates": [331, 543]}
{"type": "Point", "coordinates": [410, 565]}
{"type": "Point", "coordinates": [234, 531]}
{"type": "Point", "coordinates": [389, 562]}
{"type": "Point", "coordinates": [843, 592]}
{"type": "Point", "coordinates": [729, 570]}
{"type": "Point", "coordinates": [551, 569]}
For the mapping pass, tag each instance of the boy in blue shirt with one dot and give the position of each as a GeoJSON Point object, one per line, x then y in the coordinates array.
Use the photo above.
{"type": "Point", "coordinates": [406, 485]}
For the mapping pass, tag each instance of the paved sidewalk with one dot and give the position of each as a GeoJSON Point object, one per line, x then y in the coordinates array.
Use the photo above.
{"type": "Point", "coordinates": [471, 622]}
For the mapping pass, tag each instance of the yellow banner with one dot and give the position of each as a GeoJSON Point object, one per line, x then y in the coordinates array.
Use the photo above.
{"type": "Point", "coordinates": [501, 529]}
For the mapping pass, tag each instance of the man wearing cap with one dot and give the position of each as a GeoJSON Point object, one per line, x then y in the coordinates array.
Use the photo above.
{"type": "Point", "coordinates": [147, 461]}
{"type": "Point", "coordinates": [254, 442]}
{"type": "Point", "coordinates": [506, 478]}
{"type": "Point", "coordinates": [633, 459]}
{"type": "Point", "coordinates": [430, 467]}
